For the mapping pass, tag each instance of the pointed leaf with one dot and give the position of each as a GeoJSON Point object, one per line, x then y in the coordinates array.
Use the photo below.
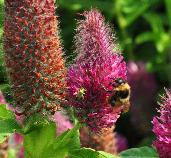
{"type": "Point", "coordinates": [64, 143]}
{"type": "Point", "coordinates": [66, 138]}
{"type": "Point", "coordinates": [3, 137]}
{"type": "Point", "coordinates": [37, 141]}
{"type": "Point", "coordinates": [107, 155]}
{"type": "Point", "coordinates": [79, 4]}
{"type": "Point", "coordinates": [89, 153]}
{"type": "Point", "coordinates": [168, 4]}
{"type": "Point", "coordinates": [8, 124]}
{"type": "Point", "coordinates": [5, 113]}
{"type": "Point", "coordinates": [35, 121]}
{"type": "Point", "coordinates": [85, 153]}
{"type": "Point", "coordinates": [145, 37]}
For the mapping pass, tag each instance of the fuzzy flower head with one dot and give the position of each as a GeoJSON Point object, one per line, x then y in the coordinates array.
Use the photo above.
{"type": "Point", "coordinates": [97, 65]}
{"type": "Point", "coordinates": [33, 55]}
{"type": "Point", "coordinates": [162, 127]}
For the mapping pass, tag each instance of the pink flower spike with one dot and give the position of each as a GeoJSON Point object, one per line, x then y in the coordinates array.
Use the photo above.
{"type": "Point", "coordinates": [96, 66]}
{"type": "Point", "coordinates": [162, 127]}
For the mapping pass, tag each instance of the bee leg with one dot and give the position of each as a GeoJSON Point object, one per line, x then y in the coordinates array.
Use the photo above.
{"type": "Point", "coordinates": [108, 91]}
{"type": "Point", "coordinates": [126, 108]}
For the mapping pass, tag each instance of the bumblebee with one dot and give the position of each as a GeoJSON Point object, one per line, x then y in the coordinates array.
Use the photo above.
{"type": "Point", "coordinates": [120, 94]}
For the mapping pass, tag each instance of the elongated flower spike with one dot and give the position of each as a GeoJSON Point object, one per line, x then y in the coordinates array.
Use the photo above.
{"type": "Point", "coordinates": [33, 55]}
{"type": "Point", "coordinates": [98, 63]}
{"type": "Point", "coordinates": [162, 127]}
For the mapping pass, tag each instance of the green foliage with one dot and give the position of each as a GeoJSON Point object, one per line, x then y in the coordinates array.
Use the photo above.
{"type": "Point", "coordinates": [11, 153]}
{"type": "Point", "coordinates": [8, 124]}
{"type": "Point", "coordinates": [107, 155]}
{"type": "Point", "coordinates": [66, 138]}
{"type": "Point", "coordinates": [82, 4]}
{"type": "Point", "coordinates": [5, 113]}
{"type": "Point", "coordinates": [128, 11]}
{"type": "Point", "coordinates": [168, 10]}
{"type": "Point", "coordinates": [139, 153]}
{"type": "Point", "coordinates": [40, 139]}
{"type": "Point", "coordinates": [37, 140]}
{"type": "Point", "coordinates": [89, 153]}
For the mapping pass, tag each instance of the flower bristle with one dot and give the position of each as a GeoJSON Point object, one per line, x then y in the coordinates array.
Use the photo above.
{"type": "Point", "coordinates": [98, 63]}
{"type": "Point", "coordinates": [33, 55]}
{"type": "Point", "coordinates": [94, 37]}
{"type": "Point", "coordinates": [162, 127]}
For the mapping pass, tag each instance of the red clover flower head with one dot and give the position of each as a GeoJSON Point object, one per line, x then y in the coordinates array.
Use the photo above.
{"type": "Point", "coordinates": [97, 65]}
{"type": "Point", "coordinates": [162, 127]}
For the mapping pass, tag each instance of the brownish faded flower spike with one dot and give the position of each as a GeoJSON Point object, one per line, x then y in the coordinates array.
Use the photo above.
{"type": "Point", "coordinates": [33, 55]}
{"type": "Point", "coordinates": [104, 141]}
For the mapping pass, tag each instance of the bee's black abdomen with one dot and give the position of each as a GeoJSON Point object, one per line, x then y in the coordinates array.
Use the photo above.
{"type": "Point", "coordinates": [123, 94]}
{"type": "Point", "coordinates": [112, 101]}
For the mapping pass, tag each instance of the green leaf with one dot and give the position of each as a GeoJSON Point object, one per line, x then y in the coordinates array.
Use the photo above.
{"type": "Point", "coordinates": [38, 140]}
{"type": "Point", "coordinates": [80, 4]}
{"type": "Point", "coordinates": [145, 37]}
{"type": "Point", "coordinates": [90, 153]}
{"type": "Point", "coordinates": [5, 113]}
{"type": "Point", "coordinates": [1, 1]}
{"type": "Point", "coordinates": [11, 153]}
{"type": "Point", "coordinates": [8, 124]}
{"type": "Point", "coordinates": [168, 9]}
{"type": "Point", "coordinates": [130, 10]}
{"type": "Point", "coordinates": [85, 153]}
{"type": "Point", "coordinates": [34, 122]}
{"type": "Point", "coordinates": [107, 155]}
{"type": "Point", "coordinates": [67, 138]}
{"type": "Point", "coordinates": [63, 144]}
{"type": "Point", "coordinates": [3, 137]}
{"type": "Point", "coordinates": [155, 22]}
{"type": "Point", "coordinates": [139, 11]}
{"type": "Point", "coordinates": [143, 152]}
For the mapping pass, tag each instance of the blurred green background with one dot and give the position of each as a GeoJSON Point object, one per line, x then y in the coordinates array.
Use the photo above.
{"type": "Point", "coordinates": [143, 30]}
